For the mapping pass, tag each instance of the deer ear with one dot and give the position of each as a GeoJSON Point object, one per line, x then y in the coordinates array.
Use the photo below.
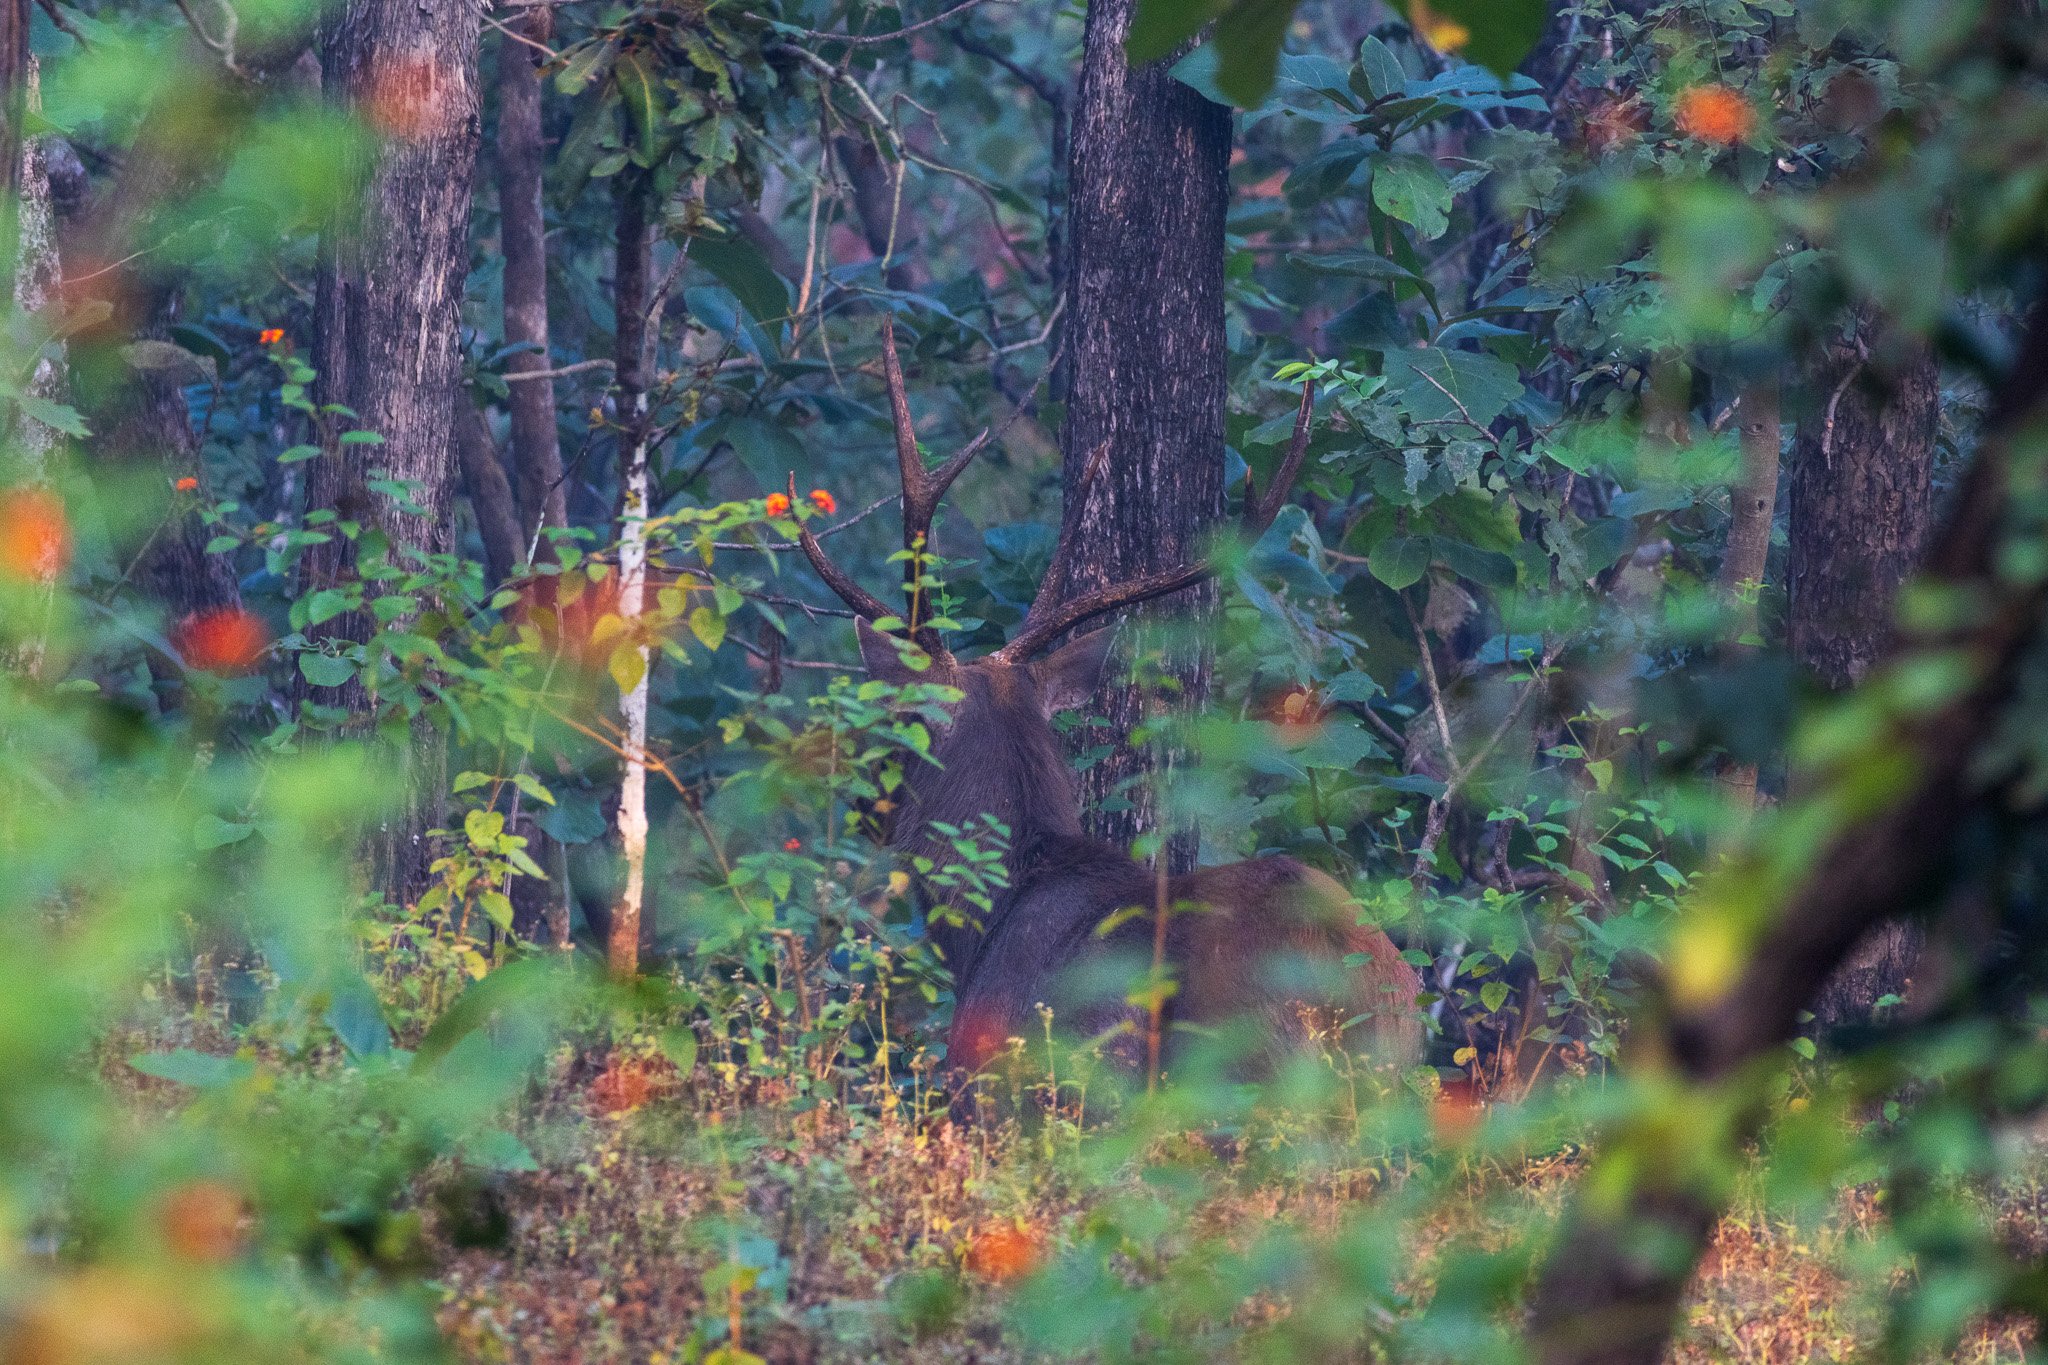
{"type": "Point", "coordinates": [883, 655]}
{"type": "Point", "coordinates": [1073, 672]}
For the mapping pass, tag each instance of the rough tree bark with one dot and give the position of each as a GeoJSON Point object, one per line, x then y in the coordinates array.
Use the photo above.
{"type": "Point", "coordinates": [536, 449]}
{"type": "Point", "coordinates": [630, 284]}
{"type": "Point", "coordinates": [1149, 184]}
{"type": "Point", "coordinates": [388, 305]}
{"type": "Point", "coordinates": [490, 491]}
{"type": "Point", "coordinates": [1753, 506]}
{"type": "Point", "coordinates": [1613, 1282]}
{"type": "Point", "coordinates": [1862, 498]}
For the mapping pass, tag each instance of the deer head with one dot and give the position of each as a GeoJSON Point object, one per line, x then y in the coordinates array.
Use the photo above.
{"type": "Point", "coordinates": [1000, 754]}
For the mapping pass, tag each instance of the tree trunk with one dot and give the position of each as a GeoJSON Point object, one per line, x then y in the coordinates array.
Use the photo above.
{"type": "Point", "coordinates": [1862, 498]}
{"type": "Point", "coordinates": [1614, 1279]}
{"type": "Point", "coordinates": [1149, 185]}
{"type": "Point", "coordinates": [536, 448]}
{"type": "Point", "coordinates": [1753, 506]}
{"type": "Point", "coordinates": [14, 26]}
{"type": "Point", "coordinates": [490, 492]}
{"type": "Point", "coordinates": [389, 302]}
{"type": "Point", "coordinates": [636, 193]}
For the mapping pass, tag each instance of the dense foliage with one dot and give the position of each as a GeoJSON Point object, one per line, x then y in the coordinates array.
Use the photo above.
{"type": "Point", "coordinates": [313, 874]}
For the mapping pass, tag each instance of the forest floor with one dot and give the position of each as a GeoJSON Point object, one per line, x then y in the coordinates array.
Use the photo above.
{"type": "Point", "coordinates": [658, 1222]}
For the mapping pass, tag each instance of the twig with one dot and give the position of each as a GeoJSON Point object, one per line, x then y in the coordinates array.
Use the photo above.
{"type": "Point", "coordinates": [853, 520]}
{"type": "Point", "coordinates": [223, 45]}
{"type": "Point", "coordinates": [518, 37]}
{"type": "Point", "coordinates": [64, 25]}
{"type": "Point", "coordinates": [858, 40]}
{"type": "Point", "coordinates": [528, 376]}
{"type": "Point", "coordinates": [787, 662]}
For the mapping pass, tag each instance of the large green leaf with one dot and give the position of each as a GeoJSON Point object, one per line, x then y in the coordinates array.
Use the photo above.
{"type": "Point", "coordinates": [1435, 385]}
{"type": "Point", "coordinates": [1247, 39]}
{"type": "Point", "coordinates": [1497, 34]}
{"type": "Point", "coordinates": [1411, 188]}
{"type": "Point", "coordinates": [740, 267]}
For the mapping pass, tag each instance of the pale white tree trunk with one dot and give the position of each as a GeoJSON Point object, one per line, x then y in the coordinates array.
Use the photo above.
{"type": "Point", "coordinates": [625, 934]}
{"type": "Point", "coordinates": [37, 276]}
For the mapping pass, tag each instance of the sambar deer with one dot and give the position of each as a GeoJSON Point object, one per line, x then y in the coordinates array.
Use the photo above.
{"type": "Point", "coordinates": [1269, 940]}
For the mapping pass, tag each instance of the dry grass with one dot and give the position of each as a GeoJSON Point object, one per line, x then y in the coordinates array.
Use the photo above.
{"type": "Point", "coordinates": [878, 1239]}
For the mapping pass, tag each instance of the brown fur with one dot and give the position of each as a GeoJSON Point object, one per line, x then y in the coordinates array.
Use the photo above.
{"type": "Point", "coordinates": [1264, 939]}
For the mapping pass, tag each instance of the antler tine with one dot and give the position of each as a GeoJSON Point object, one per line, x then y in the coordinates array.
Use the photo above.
{"type": "Point", "coordinates": [1041, 630]}
{"type": "Point", "coordinates": [1050, 618]}
{"type": "Point", "coordinates": [835, 578]}
{"type": "Point", "coordinates": [922, 488]}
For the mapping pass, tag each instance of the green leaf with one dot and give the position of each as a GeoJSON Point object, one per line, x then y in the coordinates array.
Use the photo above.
{"type": "Point", "coordinates": [1493, 995]}
{"type": "Point", "coordinates": [298, 453]}
{"type": "Point", "coordinates": [57, 416]}
{"type": "Point", "coordinates": [740, 267]}
{"type": "Point", "coordinates": [1500, 33]}
{"type": "Point", "coordinates": [200, 1070]}
{"type": "Point", "coordinates": [679, 1045]}
{"type": "Point", "coordinates": [325, 670]}
{"type": "Point", "coordinates": [1436, 385]}
{"type": "Point", "coordinates": [627, 666]}
{"type": "Point", "coordinates": [497, 906]}
{"type": "Point", "coordinates": [531, 785]}
{"type": "Point", "coordinates": [1379, 71]}
{"type": "Point", "coordinates": [1400, 562]}
{"type": "Point", "coordinates": [214, 832]}
{"type": "Point", "coordinates": [1246, 43]}
{"type": "Point", "coordinates": [1411, 188]}
{"type": "Point", "coordinates": [708, 626]}
{"type": "Point", "coordinates": [637, 93]}
{"type": "Point", "coordinates": [325, 605]}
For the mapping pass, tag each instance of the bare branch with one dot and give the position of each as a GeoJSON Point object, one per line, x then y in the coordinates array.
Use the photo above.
{"type": "Point", "coordinates": [858, 40]}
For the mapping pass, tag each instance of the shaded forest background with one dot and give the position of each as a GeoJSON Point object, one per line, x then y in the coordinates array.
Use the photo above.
{"type": "Point", "coordinates": [443, 813]}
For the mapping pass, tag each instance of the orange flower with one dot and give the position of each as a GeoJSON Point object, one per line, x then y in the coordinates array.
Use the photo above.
{"type": "Point", "coordinates": [622, 1087]}
{"type": "Point", "coordinates": [1005, 1251]}
{"type": "Point", "coordinates": [824, 501]}
{"type": "Point", "coordinates": [792, 845]}
{"type": "Point", "coordinates": [35, 538]}
{"type": "Point", "coordinates": [270, 336]}
{"type": "Point", "coordinates": [229, 640]}
{"type": "Point", "coordinates": [186, 484]}
{"type": "Point", "coordinates": [1440, 31]}
{"type": "Point", "coordinates": [1714, 113]}
{"type": "Point", "coordinates": [202, 1221]}
{"type": "Point", "coordinates": [778, 504]}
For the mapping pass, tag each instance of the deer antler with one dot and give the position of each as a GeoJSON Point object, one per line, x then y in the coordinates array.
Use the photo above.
{"type": "Point", "coordinates": [922, 491]}
{"type": "Point", "coordinates": [1051, 617]}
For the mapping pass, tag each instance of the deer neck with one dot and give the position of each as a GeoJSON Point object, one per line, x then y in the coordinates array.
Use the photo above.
{"type": "Point", "coordinates": [1000, 759]}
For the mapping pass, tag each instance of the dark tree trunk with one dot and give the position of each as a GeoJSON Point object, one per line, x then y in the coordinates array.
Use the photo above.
{"type": "Point", "coordinates": [133, 395]}
{"type": "Point", "coordinates": [536, 449]}
{"type": "Point", "coordinates": [390, 297]}
{"type": "Point", "coordinates": [1862, 497]}
{"type": "Point", "coordinates": [1149, 185]}
{"type": "Point", "coordinates": [1753, 508]}
{"type": "Point", "coordinates": [14, 24]}
{"type": "Point", "coordinates": [490, 492]}
{"type": "Point", "coordinates": [1613, 1281]}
